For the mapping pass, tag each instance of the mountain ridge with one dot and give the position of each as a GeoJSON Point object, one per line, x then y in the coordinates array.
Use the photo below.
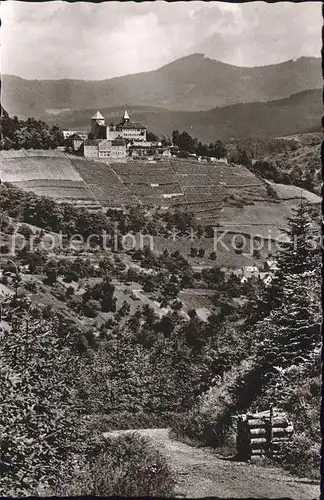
{"type": "Point", "coordinates": [191, 83]}
{"type": "Point", "coordinates": [295, 114]}
{"type": "Point", "coordinates": [196, 55]}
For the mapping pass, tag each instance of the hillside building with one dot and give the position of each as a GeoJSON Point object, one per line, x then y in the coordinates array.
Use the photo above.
{"type": "Point", "coordinates": [103, 149]}
{"type": "Point", "coordinates": [70, 133]}
{"type": "Point", "coordinates": [117, 148]}
{"type": "Point", "coordinates": [143, 148]}
{"type": "Point", "coordinates": [212, 159]}
{"type": "Point", "coordinates": [77, 142]}
{"type": "Point", "coordinates": [119, 141]}
{"type": "Point", "coordinates": [90, 148]}
{"type": "Point", "coordinates": [126, 129]}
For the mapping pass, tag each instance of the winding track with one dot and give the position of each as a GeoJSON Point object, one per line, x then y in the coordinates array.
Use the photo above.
{"type": "Point", "coordinates": [200, 473]}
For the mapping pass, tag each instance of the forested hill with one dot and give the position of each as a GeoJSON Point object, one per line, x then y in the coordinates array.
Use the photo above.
{"type": "Point", "coordinates": [190, 83]}
{"type": "Point", "coordinates": [297, 113]}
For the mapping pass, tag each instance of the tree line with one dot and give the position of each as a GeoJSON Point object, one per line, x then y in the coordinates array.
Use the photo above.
{"type": "Point", "coordinates": [190, 145]}
{"type": "Point", "coordinates": [28, 134]}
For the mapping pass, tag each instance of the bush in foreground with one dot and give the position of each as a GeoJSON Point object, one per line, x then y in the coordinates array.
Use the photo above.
{"type": "Point", "coordinates": [124, 465]}
{"type": "Point", "coordinates": [41, 435]}
{"type": "Point", "coordinates": [301, 456]}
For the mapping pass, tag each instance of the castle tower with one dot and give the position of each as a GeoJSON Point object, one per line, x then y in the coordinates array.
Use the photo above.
{"type": "Point", "coordinates": [126, 117]}
{"type": "Point", "coordinates": [97, 121]}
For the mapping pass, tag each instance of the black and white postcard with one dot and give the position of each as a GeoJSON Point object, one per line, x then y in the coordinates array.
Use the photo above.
{"type": "Point", "coordinates": [160, 249]}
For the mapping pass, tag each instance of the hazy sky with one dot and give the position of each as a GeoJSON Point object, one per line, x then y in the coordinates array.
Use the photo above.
{"type": "Point", "coordinates": [97, 41]}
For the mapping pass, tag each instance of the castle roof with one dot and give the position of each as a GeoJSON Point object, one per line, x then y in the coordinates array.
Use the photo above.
{"type": "Point", "coordinates": [126, 115]}
{"type": "Point", "coordinates": [131, 125]}
{"type": "Point", "coordinates": [98, 116]}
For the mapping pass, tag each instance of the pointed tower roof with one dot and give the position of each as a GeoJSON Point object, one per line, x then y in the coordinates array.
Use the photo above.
{"type": "Point", "coordinates": [126, 115]}
{"type": "Point", "coordinates": [98, 116]}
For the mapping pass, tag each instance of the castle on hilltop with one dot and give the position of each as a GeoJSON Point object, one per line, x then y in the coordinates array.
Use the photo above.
{"type": "Point", "coordinates": [114, 141]}
{"type": "Point", "coordinates": [126, 129]}
{"type": "Point", "coordinates": [127, 138]}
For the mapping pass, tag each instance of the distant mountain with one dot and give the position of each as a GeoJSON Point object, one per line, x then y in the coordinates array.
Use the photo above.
{"type": "Point", "coordinates": [297, 113]}
{"type": "Point", "coordinates": [192, 83]}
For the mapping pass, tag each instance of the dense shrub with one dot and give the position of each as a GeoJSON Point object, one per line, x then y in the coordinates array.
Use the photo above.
{"type": "Point", "coordinates": [49, 215]}
{"type": "Point", "coordinates": [124, 465]}
{"type": "Point", "coordinates": [297, 391]}
{"type": "Point", "coordinates": [139, 420]}
{"type": "Point", "coordinates": [282, 160]}
{"type": "Point", "coordinates": [209, 423]}
{"type": "Point", "coordinates": [301, 456]}
{"type": "Point", "coordinates": [199, 427]}
{"type": "Point", "coordinates": [41, 432]}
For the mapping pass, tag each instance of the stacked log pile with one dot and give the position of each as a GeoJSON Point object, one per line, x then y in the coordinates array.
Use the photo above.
{"type": "Point", "coordinates": [262, 434]}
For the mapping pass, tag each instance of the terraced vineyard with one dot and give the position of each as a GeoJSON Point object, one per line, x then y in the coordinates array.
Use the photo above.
{"type": "Point", "coordinates": [104, 183]}
{"type": "Point", "coordinates": [229, 196]}
{"type": "Point", "coordinates": [46, 173]}
{"type": "Point", "coordinates": [187, 185]}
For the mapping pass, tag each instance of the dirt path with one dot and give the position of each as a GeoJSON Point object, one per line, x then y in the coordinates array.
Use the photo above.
{"type": "Point", "coordinates": [202, 474]}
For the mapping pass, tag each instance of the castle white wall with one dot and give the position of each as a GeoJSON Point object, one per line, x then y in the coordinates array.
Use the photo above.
{"type": "Point", "coordinates": [91, 151]}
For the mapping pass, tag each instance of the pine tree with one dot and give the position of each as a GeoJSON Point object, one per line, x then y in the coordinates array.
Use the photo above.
{"type": "Point", "coordinates": [292, 330]}
{"type": "Point", "coordinates": [299, 253]}
{"type": "Point", "coordinates": [299, 256]}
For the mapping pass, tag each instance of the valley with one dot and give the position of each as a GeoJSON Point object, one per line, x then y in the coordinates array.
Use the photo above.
{"type": "Point", "coordinates": [161, 326]}
{"type": "Point", "coordinates": [160, 251]}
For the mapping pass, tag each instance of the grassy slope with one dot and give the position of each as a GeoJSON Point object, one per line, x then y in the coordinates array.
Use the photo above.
{"type": "Point", "coordinates": [305, 159]}
{"type": "Point", "coordinates": [286, 192]}
{"type": "Point", "coordinates": [46, 173]}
